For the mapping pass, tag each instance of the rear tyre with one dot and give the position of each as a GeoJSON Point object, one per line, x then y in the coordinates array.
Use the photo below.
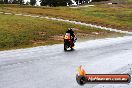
{"type": "Point", "coordinates": [72, 47]}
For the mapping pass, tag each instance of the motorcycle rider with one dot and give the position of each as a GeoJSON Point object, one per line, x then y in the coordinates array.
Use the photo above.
{"type": "Point", "coordinates": [73, 36]}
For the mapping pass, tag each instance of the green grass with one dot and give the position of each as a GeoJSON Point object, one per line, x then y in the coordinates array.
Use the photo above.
{"type": "Point", "coordinates": [114, 16]}
{"type": "Point", "coordinates": [130, 1]}
{"type": "Point", "coordinates": [20, 32]}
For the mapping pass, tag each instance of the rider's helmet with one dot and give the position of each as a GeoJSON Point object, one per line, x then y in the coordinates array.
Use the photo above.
{"type": "Point", "coordinates": [70, 29]}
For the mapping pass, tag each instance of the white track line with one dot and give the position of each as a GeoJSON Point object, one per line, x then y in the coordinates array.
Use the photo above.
{"type": "Point", "coordinates": [26, 15]}
{"type": "Point", "coordinates": [18, 14]}
{"type": "Point", "coordinates": [35, 16]}
{"type": "Point", "coordinates": [1, 12]}
{"type": "Point", "coordinates": [90, 25]}
{"type": "Point", "coordinates": [8, 13]}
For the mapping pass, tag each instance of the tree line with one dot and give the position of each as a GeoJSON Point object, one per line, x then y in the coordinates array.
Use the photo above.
{"type": "Point", "coordinates": [53, 3]}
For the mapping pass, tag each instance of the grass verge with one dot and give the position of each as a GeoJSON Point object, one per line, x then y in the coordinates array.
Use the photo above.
{"type": "Point", "coordinates": [21, 32]}
{"type": "Point", "coordinates": [115, 16]}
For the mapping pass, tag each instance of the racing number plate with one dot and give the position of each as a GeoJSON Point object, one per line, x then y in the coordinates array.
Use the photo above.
{"type": "Point", "coordinates": [67, 37]}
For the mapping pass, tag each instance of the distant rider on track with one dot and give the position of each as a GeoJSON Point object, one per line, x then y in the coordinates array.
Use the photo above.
{"type": "Point", "coordinates": [73, 36]}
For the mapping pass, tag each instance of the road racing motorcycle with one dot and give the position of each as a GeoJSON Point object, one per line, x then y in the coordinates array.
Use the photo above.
{"type": "Point", "coordinates": [68, 42]}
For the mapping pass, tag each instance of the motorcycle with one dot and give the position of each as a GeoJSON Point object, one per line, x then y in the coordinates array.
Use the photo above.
{"type": "Point", "coordinates": [68, 42]}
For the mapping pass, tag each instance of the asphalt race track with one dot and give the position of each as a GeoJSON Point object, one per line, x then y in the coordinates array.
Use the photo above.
{"type": "Point", "coordinates": [51, 67]}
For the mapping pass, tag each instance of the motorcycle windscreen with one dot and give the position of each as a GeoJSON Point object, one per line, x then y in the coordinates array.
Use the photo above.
{"type": "Point", "coordinates": [67, 36]}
